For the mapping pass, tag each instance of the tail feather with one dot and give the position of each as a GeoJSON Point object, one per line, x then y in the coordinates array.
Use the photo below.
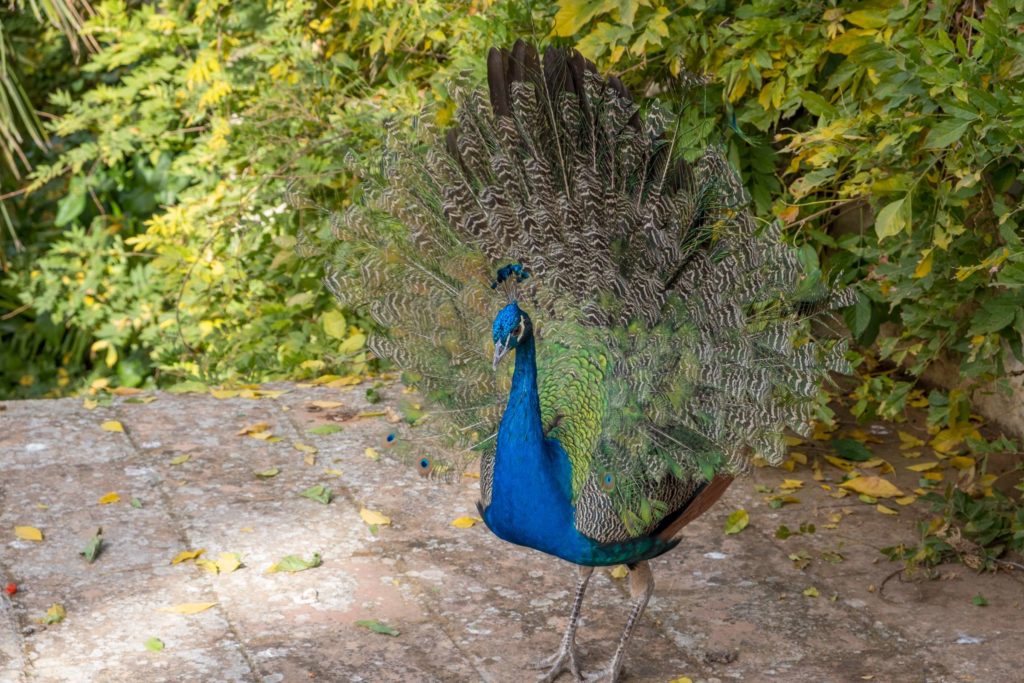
{"type": "Point", "coordinates": [632, 250]}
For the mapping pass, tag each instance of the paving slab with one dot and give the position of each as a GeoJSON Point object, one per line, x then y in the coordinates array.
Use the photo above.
{"type": "Point", "coordinates": [467, 606]}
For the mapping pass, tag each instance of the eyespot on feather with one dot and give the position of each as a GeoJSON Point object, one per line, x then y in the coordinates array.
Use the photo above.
{"type": "Point", "coordinates": [426, 466]}
{"type": "Point", "coordinates": [607, 482]}
{"type": "Point", "coordinates": [390, 440]}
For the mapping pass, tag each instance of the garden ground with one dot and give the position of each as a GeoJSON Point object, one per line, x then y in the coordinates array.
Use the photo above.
{"type": "Point", "coordinates": [403, 595]}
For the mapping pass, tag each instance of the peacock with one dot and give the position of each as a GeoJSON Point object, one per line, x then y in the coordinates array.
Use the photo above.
{"type": "Point", "coordinates": [660, 332]}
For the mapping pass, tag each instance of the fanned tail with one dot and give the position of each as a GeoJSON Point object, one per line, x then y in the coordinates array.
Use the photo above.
{"type": "Point", "coordinates": [635, 256]}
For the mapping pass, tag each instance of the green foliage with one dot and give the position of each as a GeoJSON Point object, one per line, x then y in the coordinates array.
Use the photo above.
{"type": "Point", "coordinates": [910, 108]}
{"type": "Point", "coordinates": [161, 243]}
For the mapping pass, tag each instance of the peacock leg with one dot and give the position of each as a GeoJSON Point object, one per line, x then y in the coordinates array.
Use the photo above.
{"type": "Point", "coordinates": [641, 586]}
{"type": "Point", "coordinates": [565, 659]}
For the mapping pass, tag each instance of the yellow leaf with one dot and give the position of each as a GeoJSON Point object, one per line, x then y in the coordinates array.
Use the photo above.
{"type": "Point", "coordinates": [372, 454]}
{"type": "Point", "coordinates": [188, 607]}
{"type": "Point", "coordinates": [737, 521]}
{"type": "Point", "coordinates": [185, 555]}
{"type": "Point", "coordinates": [792, 440]}
{"type": "Point", "coordinates": [332, 473]}
{"type": "Point", "coordinates": [224, 393]}
{"type": "Point", "coordinates": [961, 462]}
{"type": "Point", "coordinates": [904, 500]}
{"type": "Point", "coordinates": [908, 440]}
{"type": "Point", "coordinates": [619, 571]}
{"type": "Point", "coordinates": [253, 429]}
{"type": "Point", "coordinates": [55, 614]}
{"type": "Point", "coordinates": [681, 679]}
{"type": "Point", "coordinates": [109, 498]}
{"type": "Point", "coordinates": [181, 459]}
{"type": "Point", "coordinates": [791, 484]}
{"type": "Point", "coordinates": [28, 533]}
{"type": "Point", "coordinates": [305, 448]}
{"type": "Point", "coordinates": [208, 565]}
{"type": "Point", "coordinates": [844, 465]}
{"type": "Point", "coordinates": [112, 426]}
{"type": "Point", "coordinates": [885, 511]}
{"type": "Point", "coordinates": [264, 436]}
{"type": "Point", "coordinates": [933, 476]}
{"type": "Point", "coordinates": [872, 486]}
{"type": "Point", "coordinates": [334, 324]}
{"type": "Point", "coordinates": [326, 405]}
{"type": "Point", "coordinates": [464, 522]}
{"type": "Point", "coordinates": [90, 403]}
{"type": "Point", "coordinates": [228, 562]}
{"type": "Point", "coordinates": [353, 343]}
{"type": "Point", "coordinates": [811, 592]}
{"type": "Point", "coordinates": [923, 466]}
{"type": "Point", "coordinates": [374, 517]}
{"type": "Point", "coordinates": [310, 459]}
{"type": "Point", "coordinates": [798, 457]}
{"type": "Point", "coordinates": [346, 381]}
{"type": "Point", "coordinates": [924, 266]}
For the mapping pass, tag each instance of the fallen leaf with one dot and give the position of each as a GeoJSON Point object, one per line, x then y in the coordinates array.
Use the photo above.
{"type": "Point", "coordinates": [268, 473]}
{"type": "Point", "coordinates": [374, 517]}
{"type": "Point", "coordinates": [264, 436]}
{"type": "Point", "coordinates": [737, 521]}
{"type": "Point", "coordinates": [840, 463]}
{"type": "Point", "coordinates": [319, 493]}
{"type": "Point", "coordinates": [872, 486]}
{"type": "Point", "coordinates": [377, 627]}
{"type": "Point", "coordinates": [188, 607]}
{"type": "Point", "coordinates": [800, 559]}
{"type": "Point", "coordinates": [305, 448]}
{"type": "Point", "coordinates": [923, 466]}
{"type": "Point", "coordinates": [208, 565]}
{"type": "Point", "coordinates": [92, 548]}
{"type": "Point", "coordinates": [28, 533]}
{"type": "Point", "coordinates": [325, 429]}
{"type": "Point", "coordinates": [136, 503]}
{"type": "Point", "coordinates": [228, 562]}
{"type": "Point", "coordinates": [775, 502]}
{"type": "Point", "coordinates": [681, 679]}
{"type": "Point", "coordinates": [294, 563]}
{"type": "Point", "coordinates": [109, 498]}
{"type": "Point", "coordinates": [961, 462]}
{"type": "Point", "coordinates": [885, 510]}
{"type": "Point", "coordinates": [112, 426]}
{"type": "Point", "coordinates": [55, 614]}
{"type": "Point", "coordinates": [224, 393]}
{"type": "Point", "coordinates": [908, 440]}
{"type": "Point", "coordinates": [346, 381]}
{"type": "Point", "coordinates": [372, 454]}
{"type": "Point", "coordinates": [811, 592]}
{"type": "Point", "coordinates": [849, 449]}
{"type": "Point", "coordinates": [798, 457]}
{"type": "Point", "coordinates": [181, 459]}
{"type": "Point", "coordinates": [979, 600]}
{"type": "Point", "coordinates": [464, 522]}
{"type": "Point", "coordinates": [326, 405]}
{"type": "Point", "coordinates": [186, 555]}
{"type": "Point", "coordinates": [619, 571]}
{"type": "Point", "coordinates": [310, 459]}
{"type": "Point", "coordinates": [791, 484]}
{"type": "Point", "coordinates": [904, 500]}
{"type": "Point", "coordinates": [154, 644]}
{"type": "Point", "coordinates": [332, 473]}
{"type": "Point", "coordinates": [253, 429]}
{"type": "Point", "coordinates": [90, 403]}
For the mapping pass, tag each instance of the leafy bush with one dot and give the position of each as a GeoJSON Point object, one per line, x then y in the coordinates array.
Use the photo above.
{"type": "Point", "coordinates": [913, 108]}
{"type": "Point", "coordinates": [160, 242]}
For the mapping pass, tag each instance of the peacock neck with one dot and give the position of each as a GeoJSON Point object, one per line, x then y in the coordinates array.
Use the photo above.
{"type": "Point", "coordinates": [521, 428]}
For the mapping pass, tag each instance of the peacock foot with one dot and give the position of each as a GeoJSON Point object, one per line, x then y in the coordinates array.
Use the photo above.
{"type": "Point", "coordinates": [565, 659]}
{"type": "Point", "coordinates": [613, 674]}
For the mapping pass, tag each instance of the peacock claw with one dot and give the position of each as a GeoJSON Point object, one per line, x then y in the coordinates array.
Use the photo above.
{"type": "Point", "coordinates": [604, 676]}
{"type": "Point", "coordinates": [563, 660]}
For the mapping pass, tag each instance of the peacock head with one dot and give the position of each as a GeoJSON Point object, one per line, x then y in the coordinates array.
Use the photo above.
{"type": "Point", "coordinates": [511, 328]}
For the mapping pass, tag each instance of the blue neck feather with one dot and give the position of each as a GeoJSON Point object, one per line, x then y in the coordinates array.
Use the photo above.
{"type": "Point", "coordinates": [531, 492]}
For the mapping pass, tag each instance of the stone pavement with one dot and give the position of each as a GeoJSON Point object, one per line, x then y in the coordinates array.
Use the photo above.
{"type": "Point", "coordinates": [468, 607]}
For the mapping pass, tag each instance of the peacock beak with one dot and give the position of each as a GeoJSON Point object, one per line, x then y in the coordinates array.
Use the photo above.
{"type": "Point", "coordinates": [499, 352]}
